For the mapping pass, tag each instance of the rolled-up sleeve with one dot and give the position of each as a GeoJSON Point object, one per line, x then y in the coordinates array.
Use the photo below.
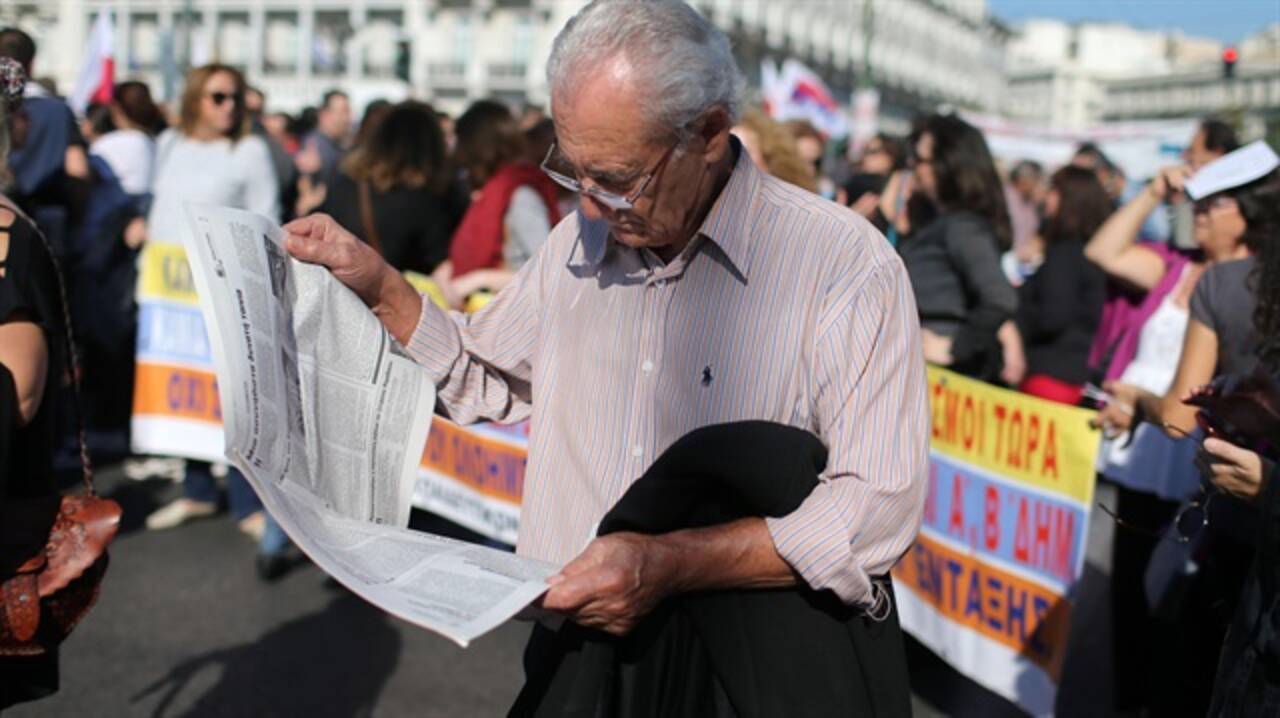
{"type": "Point", "coordinates": [482, 363]}
{"type": "Point", "coordinates": [871, 405]}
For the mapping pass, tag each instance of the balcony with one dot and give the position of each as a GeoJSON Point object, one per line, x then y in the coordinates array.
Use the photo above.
{"type": "Point", "coordinates": [507, 75]}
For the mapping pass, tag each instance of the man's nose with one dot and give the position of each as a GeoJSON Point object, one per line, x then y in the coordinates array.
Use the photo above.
{"type": "Point", "coordinates": [592, 208]}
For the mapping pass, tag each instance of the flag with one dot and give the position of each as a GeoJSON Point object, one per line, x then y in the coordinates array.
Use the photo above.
{"type": "Point", "coordinates": [794, 92]}
{"type": "Point", "coordinates": [96, 80]}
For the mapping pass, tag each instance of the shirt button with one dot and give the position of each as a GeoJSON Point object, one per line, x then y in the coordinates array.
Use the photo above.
{"type": "Point", "coordinates": [660, 283]}
{"type": "Point", "coordinates": [647, 366]}
{"type": "Point", "coordinates": [637, 451]}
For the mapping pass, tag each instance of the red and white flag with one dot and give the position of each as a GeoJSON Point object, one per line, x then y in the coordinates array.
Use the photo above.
{"type": "Point", "coordinates": [97, 74]}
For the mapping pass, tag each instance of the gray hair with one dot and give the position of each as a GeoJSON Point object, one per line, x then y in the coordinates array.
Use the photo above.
{"type": "Point", "coordinates": [683, 63]}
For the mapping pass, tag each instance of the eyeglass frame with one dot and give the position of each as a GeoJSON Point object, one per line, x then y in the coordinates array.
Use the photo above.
{"type": "Point", "coordinates": [1201, 502]}
{"type": "Point", "coordinates": [220, 98]}
{"type": "Point", "coordinates": [1206, 205]}
{"type": "Point", "coordinates": [614, 201]}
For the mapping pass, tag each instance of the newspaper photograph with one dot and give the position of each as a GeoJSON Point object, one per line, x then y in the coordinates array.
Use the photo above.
{"type": "Point", "coordinates": [327, 416]}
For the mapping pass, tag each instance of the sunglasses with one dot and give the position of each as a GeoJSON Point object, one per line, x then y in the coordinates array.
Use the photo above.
{"type": "Point", "coordinates": [1203, 206]}
{"type": "Point", "coordinates": [220, 98]}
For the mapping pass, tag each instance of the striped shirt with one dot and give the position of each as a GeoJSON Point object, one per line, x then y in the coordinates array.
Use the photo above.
{"type": "Point", "coordinates": [785, 307]}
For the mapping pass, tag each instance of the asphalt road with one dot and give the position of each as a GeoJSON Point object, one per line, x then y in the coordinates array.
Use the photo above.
{"type": "Point", "coordinates": [185, 628]}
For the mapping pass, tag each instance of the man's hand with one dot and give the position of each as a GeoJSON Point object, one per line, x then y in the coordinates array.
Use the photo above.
{"type": "Point", "coordinates": [614, 583]}
{"type": "Point", "coordinates": [621, 577]}
{"type": "Point", "coordinates": [318, 239]}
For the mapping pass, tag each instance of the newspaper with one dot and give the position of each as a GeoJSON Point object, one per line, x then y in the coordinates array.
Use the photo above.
{"type": "Point", "coordinates": [327, 417]}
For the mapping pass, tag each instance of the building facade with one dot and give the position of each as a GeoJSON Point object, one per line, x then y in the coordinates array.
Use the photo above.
{"type": "Point", "coordinates": [920, 53]}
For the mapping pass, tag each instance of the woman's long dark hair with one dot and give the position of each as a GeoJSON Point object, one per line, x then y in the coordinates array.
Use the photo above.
{"type": "Point", "coordinates": [1259, 204]}
{"type": "Point", "coordinates": [405, 150]}
{"type": "Point", "coordinates": [966, 175]}
{"type": "Point", "coordinates": [1083, 205]}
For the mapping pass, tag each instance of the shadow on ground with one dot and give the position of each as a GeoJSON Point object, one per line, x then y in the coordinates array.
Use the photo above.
{"type": "Point", "coordinates": [331, 662]}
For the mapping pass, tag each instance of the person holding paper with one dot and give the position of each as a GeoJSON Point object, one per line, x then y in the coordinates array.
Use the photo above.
{"type": "Point", "coordinates": [690, 289]}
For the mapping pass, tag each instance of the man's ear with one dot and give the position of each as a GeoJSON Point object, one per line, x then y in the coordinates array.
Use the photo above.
{"type": "Point", "coordinates": [713, 129]}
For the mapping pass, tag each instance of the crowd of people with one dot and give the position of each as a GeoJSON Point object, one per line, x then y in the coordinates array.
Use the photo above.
{"type": "Point", "coordinates": [1074, 284]}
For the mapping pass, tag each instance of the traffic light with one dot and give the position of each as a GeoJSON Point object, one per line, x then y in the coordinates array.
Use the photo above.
{"type": "Point", "coordinates": [403, 60]}
{"type": "Point", "coordinates": [1229, 57]}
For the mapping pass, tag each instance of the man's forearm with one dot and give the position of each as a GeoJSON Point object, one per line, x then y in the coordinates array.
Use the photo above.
{"type": "Point", "coordinates": [399, 306]}
{"type": "Point", "coordinates": [739, 554]}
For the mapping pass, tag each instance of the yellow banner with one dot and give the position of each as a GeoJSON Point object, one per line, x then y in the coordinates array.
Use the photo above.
{"type": "Point", "coordinates": [165, 275]}
{"type": "Point", "coordinates": [1044, 444]}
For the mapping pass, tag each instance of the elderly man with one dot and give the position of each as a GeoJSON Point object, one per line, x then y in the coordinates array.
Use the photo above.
{"type": "Point", "coordinates": [690, 289]}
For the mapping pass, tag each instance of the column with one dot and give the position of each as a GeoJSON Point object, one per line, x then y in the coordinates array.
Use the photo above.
{"type": "Point", "coordinates": [257, 40]}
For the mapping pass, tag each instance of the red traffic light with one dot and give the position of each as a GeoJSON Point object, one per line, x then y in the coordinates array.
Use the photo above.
{"type": "Point", "coordinates": [1230, 55]}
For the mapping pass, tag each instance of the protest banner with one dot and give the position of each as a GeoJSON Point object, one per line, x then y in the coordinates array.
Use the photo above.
{"type": "Point", "coordinates": [175, 395]}
{"type": "Point", "coordinates": [474, 476]}
{"type": "Point", "coordinates": [989, 583]}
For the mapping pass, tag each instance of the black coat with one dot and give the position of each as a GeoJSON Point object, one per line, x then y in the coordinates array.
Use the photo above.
{"type": "Point", "coordinates": [792, 652]}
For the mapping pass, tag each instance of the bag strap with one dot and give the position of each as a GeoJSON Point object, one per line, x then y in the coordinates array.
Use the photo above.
{"type": "Point", "coordinates": [86, 465]}
{"type": "Point", "coordinates": [366, 217]}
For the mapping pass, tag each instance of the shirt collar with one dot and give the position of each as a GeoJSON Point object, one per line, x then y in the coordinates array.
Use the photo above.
{"type": "Point", "coordinates": [725, 225]}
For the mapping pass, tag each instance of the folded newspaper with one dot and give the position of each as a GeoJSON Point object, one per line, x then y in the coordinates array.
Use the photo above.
{"type": "Point", "coordinates": [327, 417]}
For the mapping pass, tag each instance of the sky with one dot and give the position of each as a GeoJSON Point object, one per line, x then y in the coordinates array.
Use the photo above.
{"type": "Point", "coordinates": [1227, 20]}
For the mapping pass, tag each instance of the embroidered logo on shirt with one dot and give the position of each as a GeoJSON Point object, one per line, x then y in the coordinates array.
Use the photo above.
{"type": "Point", "coordinates": [706, 376]}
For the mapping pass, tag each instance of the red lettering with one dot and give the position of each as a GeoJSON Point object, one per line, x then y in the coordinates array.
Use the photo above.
{"type": "Point", "coordinates": [1033, 437]}
{"type": "Point", "coordinates": [1050, 464]}
{"type": "Point", "coordinates": [1044, 520]}
{"type": "Point", "coordinates": [953, 407]}
{"type": "Point", "coordinates": [956, 525]}
{"type": "Point", "coordinates": [937, 410]}
{"type": "Point", "coordinates": [967, 423]}
{"type": "Point", "coordinates": [1000, 412]}
{"type": "Point", "coordinates": [1022, 534]}
{"type": "Point", "coordinates": [991, 518]}
{"type": "Point", "coordinates": [1063, 535]}
{"type": "Point", "coordinates": [1015, 440]}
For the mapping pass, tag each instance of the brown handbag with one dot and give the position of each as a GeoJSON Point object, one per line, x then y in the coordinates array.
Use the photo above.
{"type": "Point", "coordinates": [53, 550]}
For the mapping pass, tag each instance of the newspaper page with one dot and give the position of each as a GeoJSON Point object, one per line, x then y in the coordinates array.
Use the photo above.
{"type": "Point", "coordinates": [327, 417]}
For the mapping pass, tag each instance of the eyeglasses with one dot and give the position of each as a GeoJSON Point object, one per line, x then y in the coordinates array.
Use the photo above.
{"type": "Point", "coordinates": [613, 200]}
{"type": "Point", "coordinates": [1203, 206]}
{"type": "Point", "coordinates": [220, 98]}
{"type": "Point", "coordinates": [1192, 516]}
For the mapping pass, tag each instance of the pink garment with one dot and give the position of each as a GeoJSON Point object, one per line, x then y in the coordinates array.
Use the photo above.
{"type": "Point", "coordinates": [1126, 311]}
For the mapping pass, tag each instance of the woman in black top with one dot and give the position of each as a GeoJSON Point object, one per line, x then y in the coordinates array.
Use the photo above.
{"type": "Point", "coordinates": [31, 366]}
{"type": "Point", "coordinates": [406, 212]}
{"type": "Point", "coordinates": [1060, 305]}
{"type": "Point", "coordinates": [954, 260]}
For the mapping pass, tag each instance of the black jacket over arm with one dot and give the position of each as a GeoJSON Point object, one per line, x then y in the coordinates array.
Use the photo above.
{"type": "Point", "coordinates": [783, 652]}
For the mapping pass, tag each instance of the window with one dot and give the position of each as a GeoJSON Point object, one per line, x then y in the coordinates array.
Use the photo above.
{"type": "Point", "coordinates": [233, 39]}
{"type": "Point", "coordinates": [329, 43]}
{"type": "Point", "coordinates": [144, 42]}
{"type": "Point", "coordinates": [280, 44]}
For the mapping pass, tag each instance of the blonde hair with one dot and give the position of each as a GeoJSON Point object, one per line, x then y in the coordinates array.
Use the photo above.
{"type": "Point", "coordinates": [778, 145]}
{"type": "Point", "coordinates": [193, 94]}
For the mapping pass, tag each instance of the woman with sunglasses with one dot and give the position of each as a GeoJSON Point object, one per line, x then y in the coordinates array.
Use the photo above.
{"type": "Point", "coordinates": [1155, 472]}
{"type": "Point", "coordinates": [211, 158]}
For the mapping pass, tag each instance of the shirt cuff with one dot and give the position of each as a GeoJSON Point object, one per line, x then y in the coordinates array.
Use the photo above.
{"type": "Point", "coordinates": [436, 343]}
{"type": "Point", "coordinates": [814, 540]}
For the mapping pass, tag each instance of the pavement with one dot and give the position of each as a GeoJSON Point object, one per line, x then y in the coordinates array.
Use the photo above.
{"type": "Point", "coordinates": [185, 628]}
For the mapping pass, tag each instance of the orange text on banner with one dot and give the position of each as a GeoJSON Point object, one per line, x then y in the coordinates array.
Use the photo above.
{"type": "Point", "coordinates": [1012, 435]}
{"type": "Point", "coordinates": [491, 467]}
{"type": "Point", "coordinates": [1012, 611]}
{"type": "Point", "coordinates": [162, 390]}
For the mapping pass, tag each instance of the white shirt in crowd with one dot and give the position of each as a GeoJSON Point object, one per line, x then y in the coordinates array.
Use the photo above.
{"type": "Point", "coordinates": [131, 155]}
{"type": "Point", "coordinates": [220, 172]}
